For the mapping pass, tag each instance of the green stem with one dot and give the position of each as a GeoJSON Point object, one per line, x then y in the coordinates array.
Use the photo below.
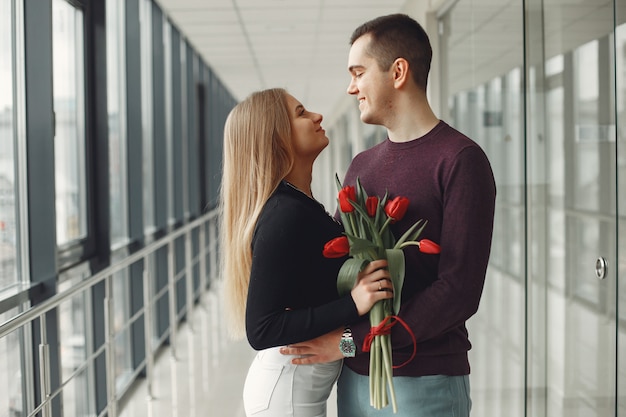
{"type": "Point", "coordinates": [409, 243]}
{"type": "Point", "coordinates": [352, 225]}
{"type": "Point", "coordinates": [385, 225]}
{"type": "Point", "coordinates": [386, 353]}
{"type": "Point", "coordinates": [372, 377]}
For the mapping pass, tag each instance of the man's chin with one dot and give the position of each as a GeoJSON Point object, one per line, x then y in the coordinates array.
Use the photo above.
{"type": "Point", "coordinates": [367, 120]}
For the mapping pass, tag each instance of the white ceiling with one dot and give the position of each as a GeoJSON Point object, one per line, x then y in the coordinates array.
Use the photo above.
{"type": "Point", "coordinates": [257, 44]}
{"type": "Point", "coordinates": [303, 46]}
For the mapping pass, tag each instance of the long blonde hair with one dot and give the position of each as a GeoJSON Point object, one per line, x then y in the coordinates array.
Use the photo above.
{"type": "Point", "coordinates": [258, 154]}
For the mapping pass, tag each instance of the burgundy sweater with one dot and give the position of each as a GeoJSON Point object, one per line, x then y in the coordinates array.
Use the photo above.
{"type": "Point", "coordinates": [449, 182]}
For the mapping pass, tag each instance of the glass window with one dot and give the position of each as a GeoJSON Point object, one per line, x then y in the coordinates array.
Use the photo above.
{"type": "Point", "coordinates": [117, 121]}
{"type": "Point", "coordinates": [11, 377]}
{"type": "Point", "coordinates": [123, 336]}
{"type": "Point", "coordinates": [75, 345]}
{"type": "Point", "coordinates": [118, 179]}
{"type": "Point", "coordinates": [69, 108]}
{"type": "Point", "coordinates": [169, 135]}
{"type": "Point", "coordinates": [145, 11]}
{"type": "Point", "coordinates": [8, 236]}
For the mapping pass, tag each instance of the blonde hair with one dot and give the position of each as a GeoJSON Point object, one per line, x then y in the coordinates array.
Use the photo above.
{"type": "Point", "coordinates": [258, 154]}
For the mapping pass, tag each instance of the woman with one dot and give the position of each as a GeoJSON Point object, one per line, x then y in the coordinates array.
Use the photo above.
{"type": "Point", "coordinates": [277, 281]}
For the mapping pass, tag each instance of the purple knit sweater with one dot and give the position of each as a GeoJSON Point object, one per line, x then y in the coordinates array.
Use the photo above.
{"type": "Point", "coordinates": [448, 181]}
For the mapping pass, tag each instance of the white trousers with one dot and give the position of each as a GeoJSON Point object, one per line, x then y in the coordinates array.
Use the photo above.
{"type": "Point", "coordinates": [275, 387]}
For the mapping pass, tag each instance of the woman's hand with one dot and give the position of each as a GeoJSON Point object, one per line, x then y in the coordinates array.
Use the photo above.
{"type": "Point", "coordinates": [373, 284]}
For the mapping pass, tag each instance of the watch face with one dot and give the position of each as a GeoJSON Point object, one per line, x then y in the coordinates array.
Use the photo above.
{"type": "Point", "coordinates": [347, 347]}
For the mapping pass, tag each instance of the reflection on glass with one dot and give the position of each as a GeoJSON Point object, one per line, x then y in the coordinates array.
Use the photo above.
{"type": "Point", "coordinates": [116, 100]}
{"type": "Point", "coordinates": [587, 126]}
{"type": "Point", "coordinates": [8, 234]}
{"type": "Point", "coordinates": [69, 108]}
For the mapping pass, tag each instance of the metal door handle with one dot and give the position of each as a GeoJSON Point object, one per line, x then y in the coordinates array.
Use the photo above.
{"type": "Point", "coordinates": [601, 267]}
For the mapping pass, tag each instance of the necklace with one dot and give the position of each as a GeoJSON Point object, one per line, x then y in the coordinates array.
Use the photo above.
{"type": "Point", "coordinates": [297, 189]}
{"type": "Point", "coordinates": [312, 198]}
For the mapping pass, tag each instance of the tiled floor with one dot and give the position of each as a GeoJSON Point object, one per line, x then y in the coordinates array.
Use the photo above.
{"type": "Point", "coordinates": [202, 377]}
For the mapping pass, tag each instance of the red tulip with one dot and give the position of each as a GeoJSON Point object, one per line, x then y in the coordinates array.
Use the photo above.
{"type": "Point", "coordinates": [396, 208]}
{"type": "Point", "coordinates": [337, 248]}
{"type": "Point", "coordinates": [346, 194]}
{"type": "Point", "coordinates": [428, 246]}
{"type": "Point", "coordinates": [371, 204]}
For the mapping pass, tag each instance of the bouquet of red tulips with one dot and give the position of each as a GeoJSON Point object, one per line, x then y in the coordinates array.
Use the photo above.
{"type": "Point", "coordinates": [366, 221]}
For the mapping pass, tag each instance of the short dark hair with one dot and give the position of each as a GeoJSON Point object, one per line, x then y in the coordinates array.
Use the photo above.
{"type": "Point", "coordinates": [398, 36]}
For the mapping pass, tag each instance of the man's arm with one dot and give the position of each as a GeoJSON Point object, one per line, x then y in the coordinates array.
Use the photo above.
{"type": "Point", "coordinates": [319, 350]}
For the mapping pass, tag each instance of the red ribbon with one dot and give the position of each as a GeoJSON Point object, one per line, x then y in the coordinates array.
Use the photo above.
{"type": "Point", "coordinates": [384, 328]}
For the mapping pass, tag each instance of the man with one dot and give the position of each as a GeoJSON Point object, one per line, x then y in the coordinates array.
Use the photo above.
{"type": "Point", "coordinates": [449, 182]}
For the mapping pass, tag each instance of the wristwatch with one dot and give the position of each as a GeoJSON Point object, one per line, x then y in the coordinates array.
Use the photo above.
{"type": "Point", "coordinates": [346, 344]}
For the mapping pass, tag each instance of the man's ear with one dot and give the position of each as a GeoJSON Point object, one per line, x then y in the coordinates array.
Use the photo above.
{"type": "Point", "coordinates": [401, 74]}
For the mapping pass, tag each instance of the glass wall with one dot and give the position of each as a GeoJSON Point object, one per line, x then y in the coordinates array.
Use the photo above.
{"type": "Point", "coordinates": [8, 223]}
{"type": "Point", "coordinates": [61, 122]}
{"type": "Point", "coordinates": [574, 186]}
{"type": "Point", "coordinates": [12, 358]}
{"type": "Point", "coordinates": [116, 87]}
{"type": "Point", "coordinates": [145, 19]}
{"type": "Point", "coordinates": [69, 110]}
{"type": "Point", "coordinates": [483, 46]}
{"type": "Point", "coordinates": [11, 375]}
{"type": "Point", "coordinates": [118, 188]}
{"type": "Point", "coordinates": [620, 104]}
{"type": "Point", "coordinates": [544, 96]}
{"type": "Point", "coordinates": [75, 346]}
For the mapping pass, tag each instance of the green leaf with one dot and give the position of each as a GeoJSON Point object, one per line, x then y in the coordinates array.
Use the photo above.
{"type": "Point", "coordinates": [348, 274]}
{"type": "Point", "coordinates": [395, 261]}
{"type": "Point", "coordinates": [411, 234]}
{"type": "Point", "coordinates": [361, 194]}
{"type": "Point", "coordinates": [339, 186]}
{"type": "Point", "coordinates": [358, 245]}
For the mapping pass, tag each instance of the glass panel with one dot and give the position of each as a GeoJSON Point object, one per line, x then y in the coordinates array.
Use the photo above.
{"type": "Point", "coordinates": [12, 401]}
{"type": "Point", "coordinates": [168, 62]}
{"type": "Point", "coordinates": [8, 234]}
{"type": "Point", "coordinates": [69, 109]}
{"type": "Point", "coordinates": [145, 9]}
{"type": "Point", "coordinates": [121, 308]}
{"type": "Point", "coordinates": [75, 345]}
{"type": "Point", "coordinates": [483, 79]}
{"type": "Point", "coordinates": [117, 121]}
{"type": "Point", "coordinates": [620, 102]}
{"type": "Point", "coordinates": [572, 200]}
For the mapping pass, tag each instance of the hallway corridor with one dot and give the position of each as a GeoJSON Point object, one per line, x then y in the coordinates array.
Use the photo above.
{"type": "Point", "coordinates": [201, 376]}
{"type": "Point", "coordinates": [211, 386]}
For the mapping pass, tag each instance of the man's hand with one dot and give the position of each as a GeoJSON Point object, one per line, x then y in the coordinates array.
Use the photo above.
{"type": "Point", "coordinates": [319, 350]}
